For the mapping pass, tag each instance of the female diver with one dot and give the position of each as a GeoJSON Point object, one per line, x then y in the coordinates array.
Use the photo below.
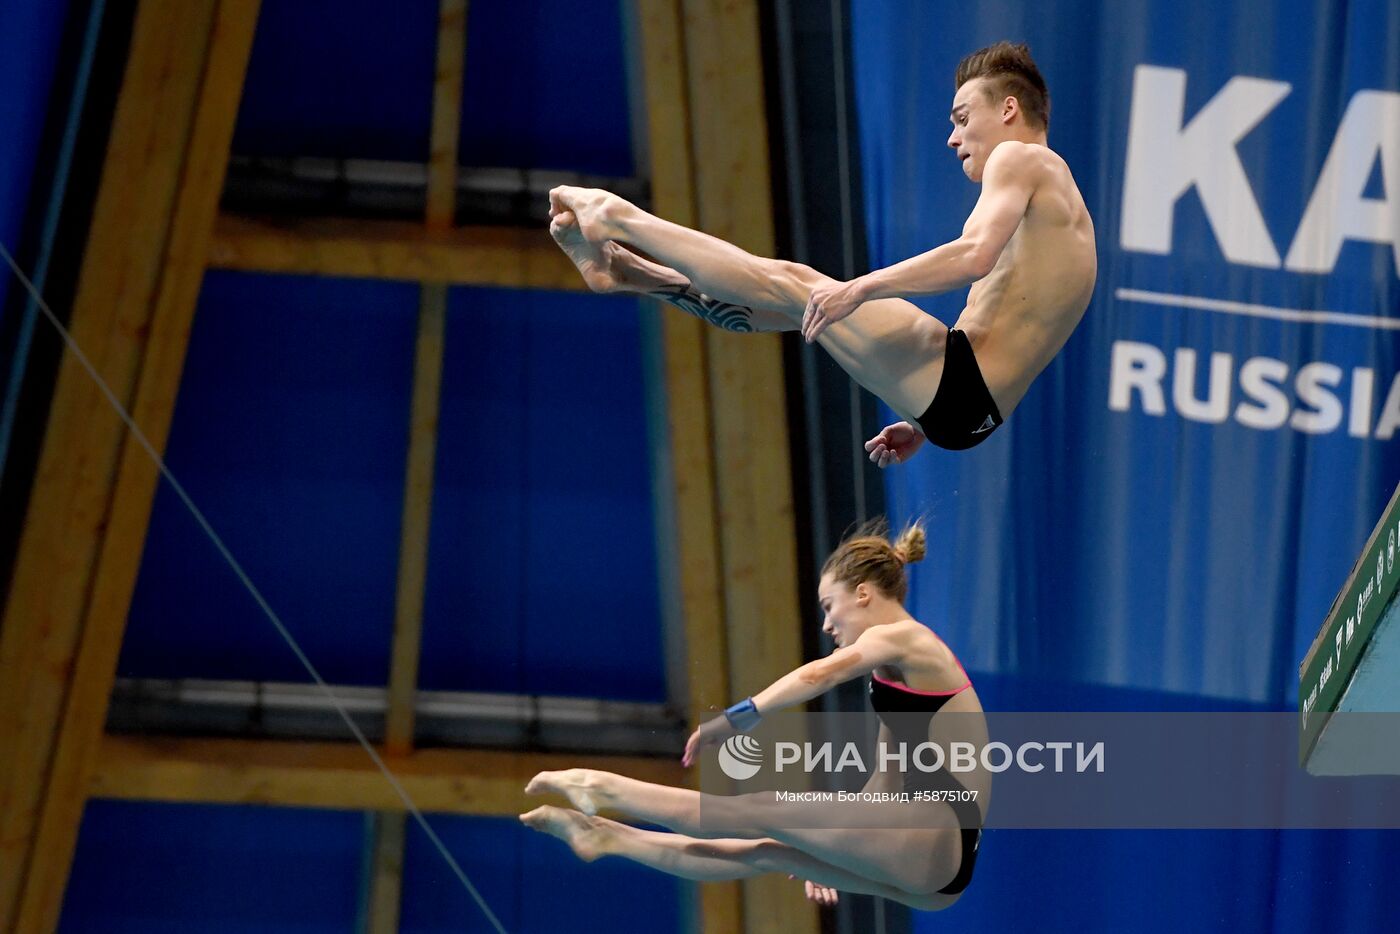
{"type": "Point", "coordinates": [919, 857]}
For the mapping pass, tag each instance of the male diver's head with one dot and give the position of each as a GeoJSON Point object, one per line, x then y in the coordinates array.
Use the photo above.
{"type": "Point", "coordinates": [1000, 95]}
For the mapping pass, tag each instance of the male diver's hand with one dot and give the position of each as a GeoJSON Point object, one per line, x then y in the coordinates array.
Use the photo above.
{"type": "Point", "coordinates": [823, 895]}
{"type": "Point", "coordinates": [710, 733]}
{"type": "Point", "coordinates": [894, 444]}
{"type": "Point", "coordinates": [831, 303]}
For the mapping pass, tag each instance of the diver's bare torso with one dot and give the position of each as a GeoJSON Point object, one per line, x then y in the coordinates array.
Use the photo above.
{"type": "Point", "coordinates": [1020, 315]}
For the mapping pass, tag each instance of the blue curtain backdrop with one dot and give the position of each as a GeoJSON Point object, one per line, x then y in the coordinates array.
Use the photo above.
{"type": "Point", "coordinates": [1132, 524]}
{"type": "Point", "coordinates": [1180, 495]}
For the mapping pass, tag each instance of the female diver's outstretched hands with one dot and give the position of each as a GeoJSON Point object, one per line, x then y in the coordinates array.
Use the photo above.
{"type": "Point", "coordinates": [710, 733]}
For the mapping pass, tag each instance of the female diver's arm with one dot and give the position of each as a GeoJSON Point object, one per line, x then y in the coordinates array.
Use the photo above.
{"type": "Point", "coordinates": [881, 645]}
{"type": "Point", "coordinates": [875, 647]}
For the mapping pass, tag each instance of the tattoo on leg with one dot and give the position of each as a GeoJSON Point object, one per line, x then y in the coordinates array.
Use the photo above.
{"type": "Point", "coordinates": [721, 314]}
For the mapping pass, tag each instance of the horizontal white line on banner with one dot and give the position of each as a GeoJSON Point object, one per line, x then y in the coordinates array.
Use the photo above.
{"type": "Point", "coordinates": [1257, 311]}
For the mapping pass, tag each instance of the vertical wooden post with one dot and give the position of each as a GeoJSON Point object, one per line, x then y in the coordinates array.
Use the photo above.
{"type": "Point", "coordinates": [734, 513]}
{"type": "Point", "coordinates": [695, 547]}
{"type": "Point", "coordinates": [386, 882]}
{"type": "Point", "coordinates": [447, 112]}
{"type": "Point", "coordinates": [386, 873]}
{"type": "Point", "coordinates": [747, 392]}
{"type": "Point", "coordinates": [417, 512]}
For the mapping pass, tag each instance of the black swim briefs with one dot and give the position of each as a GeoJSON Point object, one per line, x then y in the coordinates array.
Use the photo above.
{"type": "Point", "coordinates": [962, 413]}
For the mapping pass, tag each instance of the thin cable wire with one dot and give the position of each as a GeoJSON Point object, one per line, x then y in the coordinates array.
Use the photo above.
{"type": "Point", "coordinates": [252, 590]}
{"type": "Point", "coordinates": [19, 363]}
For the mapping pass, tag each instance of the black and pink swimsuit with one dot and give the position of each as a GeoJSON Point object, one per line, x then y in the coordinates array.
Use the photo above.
{"type": "Point", "coordinates": [907, 713]}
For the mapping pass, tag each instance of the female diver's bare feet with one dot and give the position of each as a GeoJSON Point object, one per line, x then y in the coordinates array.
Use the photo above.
{"type": "Point", "coordinates": [581, 786]}
{"type": "Point", "coordinates": [609, 266]}
{"type": "Point", "coordinates": [587, 840]}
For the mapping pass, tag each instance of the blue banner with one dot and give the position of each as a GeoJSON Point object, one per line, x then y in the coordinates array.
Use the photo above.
{"type": "Point", "coordinates": [1177, 500]}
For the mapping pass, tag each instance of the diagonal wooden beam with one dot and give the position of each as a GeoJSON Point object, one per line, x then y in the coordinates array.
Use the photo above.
{"type": "Point", "coordinates": [479, 782]}
{"type": "Point", "coordinates": [489, 256]}
{"type": "Point", "coordinates": [72, 491]}
{"type": "Point", "coordinates": [224, 44]}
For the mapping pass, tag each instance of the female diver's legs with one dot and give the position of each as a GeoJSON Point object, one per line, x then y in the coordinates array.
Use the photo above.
{"type": "Point", "coordinates": [706, 860]}
{"type": "Point", "coordinates": [916, 859]}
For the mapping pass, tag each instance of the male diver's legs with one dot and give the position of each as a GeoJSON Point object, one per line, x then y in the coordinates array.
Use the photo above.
{"type": "Point", "coordinates": [889, 346]}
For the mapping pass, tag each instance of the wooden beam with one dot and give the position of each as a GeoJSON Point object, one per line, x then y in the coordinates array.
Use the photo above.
{"type": "Point", "coordinates": [386, 879]}
{"type": "Point", "coordinates": [724, 71]}
{"type": "Point", "coordinates": [339, 775]}
{"type": "Point", "coordinates": [73, 485]}
{"type": "Point", "coordinates": [663, 70]}
{"type": "Point", "coordinates": [447, 113]}
{"type": "Point", "coordinates": [748, 401]}
{"type": "Point", "coordinates": [491, 256]}
{"type": "Point", "coordinates": [687, 379]}
{"type": "Point", "coordinates": [223, 48]}
{"type": "Point", "coordinates": [427, 384]}
{"type": "Point", "coordinates": [386, 873]}
{"type": "Point", "coordinates": [417, 514]}
{"type": "Point", "coordinates": [693, 545]}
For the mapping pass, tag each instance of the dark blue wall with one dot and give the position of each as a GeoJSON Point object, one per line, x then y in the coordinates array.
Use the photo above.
{"type": "Point", "coordinates": [154, 868]}
{"type": "Point", "coordinates": [291, 431]}
{"type": "Point", "coordinates": [30, 35]}
{"type": "Point", "coordinates": [545, 83]}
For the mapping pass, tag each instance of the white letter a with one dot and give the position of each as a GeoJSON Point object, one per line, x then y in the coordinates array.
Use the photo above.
{"type": "Point", "coordinates": [1336, 211]}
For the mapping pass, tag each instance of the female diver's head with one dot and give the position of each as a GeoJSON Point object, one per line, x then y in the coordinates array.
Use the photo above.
{"type": "Point", "coordinates": [863, 583]}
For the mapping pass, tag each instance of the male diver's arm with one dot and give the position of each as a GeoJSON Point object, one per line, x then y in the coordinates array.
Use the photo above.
{"type": "Point", "coordinates": [1009, 180]}
{"type": "Point", "coordinates": [1012, 173]}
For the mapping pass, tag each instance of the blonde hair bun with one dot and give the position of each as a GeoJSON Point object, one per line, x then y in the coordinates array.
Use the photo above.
{"type": "Point", "coordinates": [912, 544]}
{"type": "Point", "coordinates": [869, 555]}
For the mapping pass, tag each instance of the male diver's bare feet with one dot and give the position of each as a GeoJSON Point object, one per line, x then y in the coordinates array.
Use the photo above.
{"type": "Point", "coordinates": [608, 266]}
{"type": "Point", "coordinates": [591, 259]}
{"type": "Point", "coordinates": [595, 210]}
{"type": "Point", "coordinates": [580, 832]}
{"type": "Point", "coordinates": [580, 786]}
